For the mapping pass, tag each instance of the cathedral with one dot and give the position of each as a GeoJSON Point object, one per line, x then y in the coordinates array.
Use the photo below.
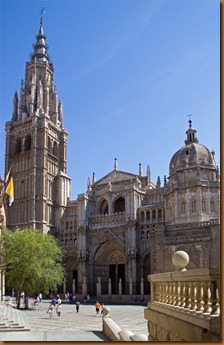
{"type": "Point", "coordinates": [124, 226]}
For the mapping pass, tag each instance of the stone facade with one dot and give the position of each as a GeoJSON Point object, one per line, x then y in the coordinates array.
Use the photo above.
{"type": "Point", "coordinates": [123, 227]}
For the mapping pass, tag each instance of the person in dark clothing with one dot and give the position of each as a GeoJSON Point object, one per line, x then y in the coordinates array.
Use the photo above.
{"type": "Point", "coordinates": [77, 306]}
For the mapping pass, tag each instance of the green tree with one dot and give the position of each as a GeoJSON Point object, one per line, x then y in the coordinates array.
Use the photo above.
{"type": "Point", "coordinates": [33, 261]}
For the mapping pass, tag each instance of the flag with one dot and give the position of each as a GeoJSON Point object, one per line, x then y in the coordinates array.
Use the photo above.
{"type": "Point", "coordinates": [10, 191]}
{"type": "Point", "coordinates": [7, 175]}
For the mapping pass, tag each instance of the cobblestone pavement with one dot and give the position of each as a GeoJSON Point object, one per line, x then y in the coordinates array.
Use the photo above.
{"type": "Point", "coordinates": [73, 326]}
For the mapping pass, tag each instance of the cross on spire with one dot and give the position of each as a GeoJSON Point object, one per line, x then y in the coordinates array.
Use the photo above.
{"type": "Point", "coordinates": [42, 13]}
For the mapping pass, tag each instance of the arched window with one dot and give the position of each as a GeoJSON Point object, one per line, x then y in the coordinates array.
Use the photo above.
{"type": "Point", "coordinates": [183, 207]}
{"type": "Point", "coordinates": [203, 205]}
{"type": "Point", "coordinates": [148, 215]}
{"type": "Point", "coordinates": [212, 204]}
{"type": "Point", "coordinates": [119, 205]}
{"type": "Point", "coordinates": [62, 243]}
{"type": "Point", "coordinates": [147, 234]}
{"type": "Point", "coordinates": [153, 214]}
{"type": "Point", "coordinates": [49, 145]}
{"type": "Point", "coordinates": [18, 146]}
{"type": "Point", "coordinates": [55, 149]}
{"type": "Point", "coordinates": [104, 207]}
{"type": "Point", "coordinates": [142, 235]}
{"type": "Point", "coordinates": [160, 215]}
{"type": "Point", "coordinates": [28, 143]}
{"type": "Point", "coordinates": [193, 206]}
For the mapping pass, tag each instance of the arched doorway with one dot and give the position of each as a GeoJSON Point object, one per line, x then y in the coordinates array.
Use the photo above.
{"type": "Point", "coordinates": [110, 262]}
{"type": "Point", "coordinates": [71, 274]}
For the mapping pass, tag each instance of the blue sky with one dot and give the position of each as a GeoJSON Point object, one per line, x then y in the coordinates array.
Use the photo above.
{"type": "Point", "coordinates": [128, 72]}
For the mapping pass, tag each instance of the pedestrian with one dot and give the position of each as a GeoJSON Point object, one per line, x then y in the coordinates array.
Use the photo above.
{"type": "Point", "coordinates": [50, 310]}
{"type": "Point", "coordinates": [58, 300]}
{"type": "Point", "coordinates": [77, 306]}
{"type": "Point", "coordinates": [97, 305]}
{"type": "Point", "coordinates": [40, 297]}
{"type": "Point", "coordinates": [58, 310]}
{"type": "Point", "coordinates": [67, 297]}
{"type": "Point", "coordinates": [53, 301]}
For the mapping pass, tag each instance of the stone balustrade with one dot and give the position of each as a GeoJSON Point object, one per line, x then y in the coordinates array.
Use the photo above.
{"type": "Point", "coordinates": [184, 305]}
{"type": "Point", "coordinates": [111, 220]}
{"type": "Point", "coordinates": [195, 291]}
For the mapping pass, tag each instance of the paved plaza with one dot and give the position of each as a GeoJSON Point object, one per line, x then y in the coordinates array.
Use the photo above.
{"type": "Point", "coordinates": [73, 326]}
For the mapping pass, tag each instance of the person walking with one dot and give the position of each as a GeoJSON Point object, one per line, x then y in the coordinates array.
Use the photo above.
{"type": "Point", "coordinates": [97, 306]}
{"type": "Point", "coordinates": [58, 310]}
{"type": "Point", "coordinates": [58, 300]}
{"type": "Point", "coordinates": [50, 310]}
{"type": "Point", "coordinates": [53, 301]}
{"type": "Point", "coordinates": [77, 306]}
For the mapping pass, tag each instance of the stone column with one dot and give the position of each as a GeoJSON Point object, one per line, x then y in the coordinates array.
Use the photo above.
{"type": "Point", "coordinates": [142, 288]}
{"type": "Point", "coordinates": [130, 287]}
{"type": "Point", "coordinates": [109, 287]}
{"type": "Point", "coordinates": [73, 287]}
{"type": "Point", "coordinates": [84, 287]}
{"type": "Point", "coordinates": [98, 287]}
{"type": "Point", "coordinates": [120, 287]}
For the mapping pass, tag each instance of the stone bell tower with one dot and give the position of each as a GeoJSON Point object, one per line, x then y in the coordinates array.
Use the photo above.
{"type": "Point", "coordinates": [36, 143]}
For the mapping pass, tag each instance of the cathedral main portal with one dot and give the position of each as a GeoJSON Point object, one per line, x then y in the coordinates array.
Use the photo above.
{"type": "Point", "coordinates": [109, 268]}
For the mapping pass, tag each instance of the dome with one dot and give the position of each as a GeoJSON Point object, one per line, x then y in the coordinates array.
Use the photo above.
{"type": "Point", "coordinates": [192, 154]}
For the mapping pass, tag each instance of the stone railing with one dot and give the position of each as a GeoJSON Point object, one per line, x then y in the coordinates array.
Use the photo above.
{"type": "Point", "coordinates": [184, 305]}
{"type": "Point", "coordinates": [195, 291]}
{"type": "Point", "coordinates": [115, 219]}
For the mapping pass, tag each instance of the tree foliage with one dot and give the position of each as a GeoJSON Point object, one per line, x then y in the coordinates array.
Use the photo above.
{"type": "Point", "coordinates": [33, 261]}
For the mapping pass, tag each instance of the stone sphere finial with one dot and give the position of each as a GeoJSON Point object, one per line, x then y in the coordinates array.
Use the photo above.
{"type": "Point", "coordinates": [180, 260]}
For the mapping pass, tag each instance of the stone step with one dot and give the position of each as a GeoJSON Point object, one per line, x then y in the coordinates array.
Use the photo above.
{"type": "Point", "coordinates": [12, 319]}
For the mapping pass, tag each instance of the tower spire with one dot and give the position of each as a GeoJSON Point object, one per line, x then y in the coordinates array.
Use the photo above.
{"type": "Point", "coordinates": [40, 47]}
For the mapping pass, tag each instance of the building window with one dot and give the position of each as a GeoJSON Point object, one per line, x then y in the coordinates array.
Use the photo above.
{"type": "Point", "coordinates": [212, 206]}
{"type": "Point", "coordinates": [142, 235]}
{"type": "Point", "coordinates": [18, 146]}
{"type": "Point", "coordinates": [160, 214]}
{"type": "Point", "coordinates": [154, 214]}
{"type": "Point", "coordinates": [142, 216]}
{"type": "Point", "coordinates": [28, 143]}
{"type": "Point", "coordinates": [183, 207]}
{"type": "Point", "coordinates": [55, 149]}
{"type": "Point", "coordinates": [119, 205]}
{"type": "Point", "coordinates": [203, 206]}
{"type": "Point", "coordinates": [148, 215]}
{"type": "Point", "coordinates": [193, 206]}
{"type": "Point", "coordinates": [104, 207]}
